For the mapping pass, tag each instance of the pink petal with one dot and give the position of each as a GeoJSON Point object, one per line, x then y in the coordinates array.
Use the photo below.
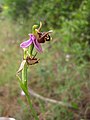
{"type": "Point", "coordinates": [37, 45]}
{"type": "Point", "coordinates": [32, 36]}
{"type": "Point", "coordinates": [26, 44]}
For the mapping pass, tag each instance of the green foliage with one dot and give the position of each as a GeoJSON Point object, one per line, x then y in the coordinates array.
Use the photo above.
{"type": "Point", "coordinates": [57, 75]}
{"type": "Point", "coordinates": [60, 113]}
{"type": "Point", "coordinates": [17, 8]}
{"type": "Point", "coordinates": [75, 33]}
{"type": "Point", "coordinates": [52, 12]}
{"type": "Point", "coordinates": [70, 18]}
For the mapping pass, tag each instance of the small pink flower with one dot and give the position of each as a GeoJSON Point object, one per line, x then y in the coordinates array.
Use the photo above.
{"type": "Point", "coordinates": [32, 40]}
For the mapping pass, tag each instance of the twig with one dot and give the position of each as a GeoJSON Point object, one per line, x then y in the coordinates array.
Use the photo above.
{"type": "Point", "coordinates": [34, 94]}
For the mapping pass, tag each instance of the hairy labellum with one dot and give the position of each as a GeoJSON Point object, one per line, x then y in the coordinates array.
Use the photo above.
{"type": "Point", "coordinates": [31, 61]}
{"type": "Point", "coordinates": [43, 36]}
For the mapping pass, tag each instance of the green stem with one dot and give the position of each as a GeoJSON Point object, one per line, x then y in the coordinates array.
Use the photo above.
{"type": "Point", "coordinates": [25, 89]}
{"type": "Point", "coordinates": [29, 101]}
{"type": "Point", "coordinates": [31, 107]}
{"type": "Point", "coordinates": [24, 75]}
{"type": "Point", "coordinates": [30, 49]}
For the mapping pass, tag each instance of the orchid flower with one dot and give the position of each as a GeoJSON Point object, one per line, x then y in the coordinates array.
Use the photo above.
{"type": "Point", "coordinates": [32, 40]}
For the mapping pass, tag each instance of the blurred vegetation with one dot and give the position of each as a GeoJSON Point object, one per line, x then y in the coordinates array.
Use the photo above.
{"type": "Point", "coordinates": [63, 71]}
{"type": "Point", "coordinates": [70, 18]}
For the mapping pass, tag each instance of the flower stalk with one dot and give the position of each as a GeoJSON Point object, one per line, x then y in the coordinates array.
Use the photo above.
{"type": "Point", "coordinates": [24, 82]}
{"type": "Point", "coordinates": [25, 89]}
{"type": "Point", "coordinates": [30, 49]}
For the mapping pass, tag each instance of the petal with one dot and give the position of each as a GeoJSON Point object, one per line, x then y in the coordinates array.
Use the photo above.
{"type": "Point", "coordinates": [32, 36]}
{"type": "Point", "coordinates": [37, 45]}
{"type": "Point", "coordinates": [25, 44]}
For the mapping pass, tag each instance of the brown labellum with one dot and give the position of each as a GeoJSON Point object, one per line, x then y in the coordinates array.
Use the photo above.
{"type": "Point", "coordinates": [43, 36]}
{"type": "Point", "coordinates": [31, 61]}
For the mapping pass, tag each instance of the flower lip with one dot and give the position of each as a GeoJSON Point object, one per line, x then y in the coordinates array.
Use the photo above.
{"type": "Point", "coordinates": [44, 36]}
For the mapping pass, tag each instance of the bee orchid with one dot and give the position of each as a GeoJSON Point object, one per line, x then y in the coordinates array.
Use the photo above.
{"type": "Point", "coordinates": [37, 38]}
